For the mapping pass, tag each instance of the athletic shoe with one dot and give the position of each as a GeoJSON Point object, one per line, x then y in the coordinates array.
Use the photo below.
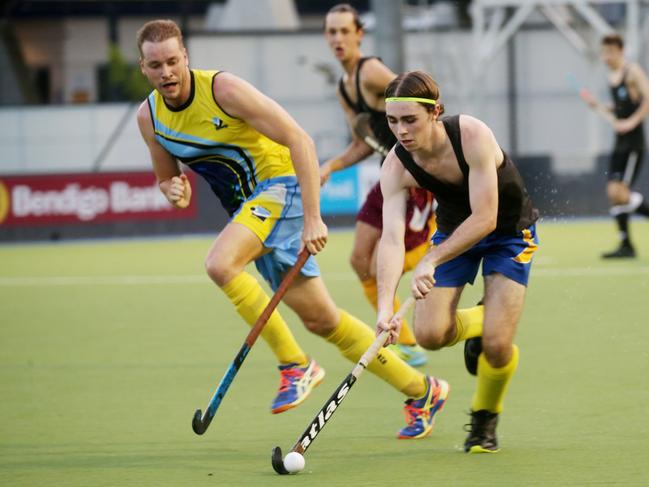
{"type": "Point", "coordinates": [420, 413]}
{"type": "Point", "coordinates": [624, 251]}
{"type": "Point", "coordinates": [482, 433]}
{"type": "Point", "coordinates": [296, 383]}
{"type": "Point", "coordinates": [413, 355]}
{"type": "Point", "coordinates": [472, 350]}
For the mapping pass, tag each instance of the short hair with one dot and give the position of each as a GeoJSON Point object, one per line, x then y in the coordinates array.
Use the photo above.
{"type": "Point", "coordinates": [158, 31]}
{"type": "Point", "coordinates": [345, 8]}
{"type": "Point", "coordinates": [417, 84]}
{"type": "Point", "coordinates": [613, 40]}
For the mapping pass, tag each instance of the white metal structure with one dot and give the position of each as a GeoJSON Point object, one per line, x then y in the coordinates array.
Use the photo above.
{"type": "Point", "coordinates": [491, 30]}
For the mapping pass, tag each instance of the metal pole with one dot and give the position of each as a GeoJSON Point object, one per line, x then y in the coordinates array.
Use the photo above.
{"type": "Point", "coordinates": [512, 94]}
{"type": "Point", "coordinates": [388, 34]}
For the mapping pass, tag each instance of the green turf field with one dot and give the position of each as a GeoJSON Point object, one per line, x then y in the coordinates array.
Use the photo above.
{"type": "Point", "coordinates": [107, 348]}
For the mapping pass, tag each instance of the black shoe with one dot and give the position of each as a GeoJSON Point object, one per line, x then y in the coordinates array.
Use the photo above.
{"type": "Point", "coordinates": [482, 433]}
{"type": "Point", "coordinates": [472, 350]}
{"type": "Point", "coordinates": [624, 251]}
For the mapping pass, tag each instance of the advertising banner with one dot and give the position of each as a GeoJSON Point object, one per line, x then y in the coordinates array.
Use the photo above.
{"type": "Point", "coordinates": [340, 195]}
{"type": "Point", "coordinates": [346, 190]}
{"type": "Point", "coordinates": [84, 198]}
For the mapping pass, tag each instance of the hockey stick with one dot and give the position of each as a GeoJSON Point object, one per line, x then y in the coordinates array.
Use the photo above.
{"type": "Point", "coordinates": [361, 127]}
{"type": "Point", "coordinates": [200, 422]}
{"type": "Point", "coordinates": [591, 101]}
{"type": "Point", "coordinates": [331, 404]}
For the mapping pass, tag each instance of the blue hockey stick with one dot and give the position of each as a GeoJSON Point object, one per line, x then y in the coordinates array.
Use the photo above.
{"type": "Point", "coordinates": [200, 422]}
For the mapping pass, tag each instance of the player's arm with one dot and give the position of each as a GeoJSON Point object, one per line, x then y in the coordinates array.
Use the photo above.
{"type": "Point", "coordinates": [637, 79]}
{"type": "Point", "coordinates": [171, 181]}
{"type": "Point", "coordinates": [481, 152]}
{"type": "Point", "coordinates": [606, 111]}
{"type": "Point", "coordinates": [391, 249]}
{"type": "Point", "coordinates": [356, 151]}
{"type": "Point", "coordinates": [375, 77]}
{"type": "Point", "coordinates": [242, 100]}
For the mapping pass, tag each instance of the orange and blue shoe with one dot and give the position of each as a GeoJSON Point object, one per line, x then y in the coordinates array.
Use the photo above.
{"type": "Point", "coordinates": [296, 383]}
{"type": "Point", "coordinates": [420, 413]}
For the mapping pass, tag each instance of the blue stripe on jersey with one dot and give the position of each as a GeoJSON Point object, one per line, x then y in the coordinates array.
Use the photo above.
{"type": "Point", "coordinates": [183, 150]}
{"type": "Point", "coordinates": [186, 146]}
{"type": "Point", "coordinates": [220, 155]}
{"type": "Point", "coordinates": [174, 134]}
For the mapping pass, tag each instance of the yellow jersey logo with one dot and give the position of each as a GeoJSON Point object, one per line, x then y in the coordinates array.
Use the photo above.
{"type": "Point", "coordinates": [218, 123]}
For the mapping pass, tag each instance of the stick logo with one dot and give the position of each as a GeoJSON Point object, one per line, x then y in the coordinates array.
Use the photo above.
{"type": "Point", "coordinates": [324, 414]}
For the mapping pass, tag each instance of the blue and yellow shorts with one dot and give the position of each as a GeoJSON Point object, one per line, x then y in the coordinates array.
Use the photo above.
{"type": "Point", "coordinates": [274, 213]}
{"type": "Point", "coordinates": [509, 255]}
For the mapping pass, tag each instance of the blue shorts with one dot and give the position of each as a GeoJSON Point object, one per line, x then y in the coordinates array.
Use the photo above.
{"type": "Point", "coordinates": [509, 255]}
{"type": "Point", "coordinates": [274, 213]}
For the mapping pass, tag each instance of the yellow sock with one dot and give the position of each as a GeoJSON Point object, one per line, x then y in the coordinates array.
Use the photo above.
{"type": "Point", "coordinates": [406, 336]}
{"type": "Point", "coordinates": [469, 323]}
{"type": "Point", "coordinates": [492, 383]}
{"type": "Point", "coordinates": [353, 338]}
{"type": "Point", "coordinates": [249, 300]}
{"type": "Point", "coordinates": [371, 291]}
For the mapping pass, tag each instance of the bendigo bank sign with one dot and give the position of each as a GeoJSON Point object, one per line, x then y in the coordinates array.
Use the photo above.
{"type": "Point", "coordinates": [85, 198]}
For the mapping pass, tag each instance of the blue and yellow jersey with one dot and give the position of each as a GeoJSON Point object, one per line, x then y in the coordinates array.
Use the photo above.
{"type": "Point", "coordinates": [232, 156]}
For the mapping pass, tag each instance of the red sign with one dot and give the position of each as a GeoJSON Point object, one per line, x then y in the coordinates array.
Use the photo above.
{"type": "Point", "coordinates": [85, 198]}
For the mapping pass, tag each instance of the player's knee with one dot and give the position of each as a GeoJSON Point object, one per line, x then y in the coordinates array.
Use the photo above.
{"type": "Point", "coordinates": [430, 339]}
{"type": "Point", "coordinates": [321, 324]}
{"type": "Point", "coordinates": [316, 327]}
{"type": "Point", "coordinates": [617, 194]}
{"type": "Point", "coordinates": [497, 351]}
{"type": "Point", "coordinates": [319, 317]}
{"type": "Point", "coordinates": [219, 271]}
{"type": "Point", "coordinates": [361, 265]}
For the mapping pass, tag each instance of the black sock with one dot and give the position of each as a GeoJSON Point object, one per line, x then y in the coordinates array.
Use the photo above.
{"type": "Point", "coordinates": [623, 225]}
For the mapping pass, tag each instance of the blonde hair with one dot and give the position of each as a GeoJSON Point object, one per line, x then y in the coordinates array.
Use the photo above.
{"type": "Point", "coordinates": [158, 31]}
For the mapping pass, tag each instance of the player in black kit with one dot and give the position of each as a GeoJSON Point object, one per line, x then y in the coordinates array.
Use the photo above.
{"type": "Point", "coordinates": [484, 219]}
{"type": "Point", "coordinates": [630, 92]}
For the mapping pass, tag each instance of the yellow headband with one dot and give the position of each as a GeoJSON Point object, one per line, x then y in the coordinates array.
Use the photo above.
{"type": "Point", "coordinates": [411, 98]}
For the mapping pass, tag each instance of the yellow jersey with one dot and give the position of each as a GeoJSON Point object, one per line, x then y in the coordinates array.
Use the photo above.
{"type": "Point", "coordinates": [232, 156]}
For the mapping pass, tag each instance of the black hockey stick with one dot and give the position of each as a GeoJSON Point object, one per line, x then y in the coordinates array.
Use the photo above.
{"type": "Point", "coordinates": [331, 404]}
{"type": "Point", "coordinates": [361, 127]}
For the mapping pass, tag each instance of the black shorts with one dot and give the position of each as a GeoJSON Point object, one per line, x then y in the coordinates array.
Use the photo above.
{"type": "Point", "coordinates": [624, 165]}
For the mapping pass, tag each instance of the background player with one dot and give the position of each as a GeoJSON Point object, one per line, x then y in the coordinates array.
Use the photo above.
{"type": "Point", "coordinates": [629, 87]}
{"type": "Point", "coordinates": [360, 93]}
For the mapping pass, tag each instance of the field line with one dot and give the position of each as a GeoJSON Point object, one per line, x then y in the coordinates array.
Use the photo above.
{"type": "Point", "coordinates": [138, 280]}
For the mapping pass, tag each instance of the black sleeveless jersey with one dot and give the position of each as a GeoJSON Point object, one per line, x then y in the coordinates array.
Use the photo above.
{"type": "Point", "coordinates": [378, 121]}
{"type": "Point", "coordinates": [515, 211]}
{"type": "Point", "coordinates": [624, 107]}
